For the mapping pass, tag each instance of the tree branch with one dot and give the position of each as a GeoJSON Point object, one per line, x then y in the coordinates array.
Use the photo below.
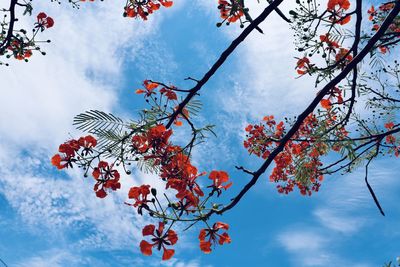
{"type": "Point", "coordinates": [6, 42]}
{"type": "Point", "coordinates": [356, 60]}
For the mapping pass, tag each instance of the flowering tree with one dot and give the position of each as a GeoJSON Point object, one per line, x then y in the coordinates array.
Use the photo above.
{"type": "Point", "coordinates": [329, 136]}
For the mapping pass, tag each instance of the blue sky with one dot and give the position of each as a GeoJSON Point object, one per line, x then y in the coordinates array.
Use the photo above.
{"type": "Point", "coordinates": [96, 60]}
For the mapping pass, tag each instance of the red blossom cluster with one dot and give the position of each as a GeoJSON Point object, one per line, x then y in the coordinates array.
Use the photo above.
{"type": "Point", "coordinates": [343, 55]}
{"type": "Point", "coordinates": [303, 66]}
{"type": "Point", "coordinates": [143, 8]}
{"type": "Point", "coordinates": [391, 140]}
{"type": "Point", "coordinates": [70, 149]}
{"type": "Point", "coordinates": [299, 162]}
{"type": "Point", "coordinates": [74, 151]}
{"type": "Point", "coordinates": [21, 46]}
{"type": "Point", "coordinates": [377, 16]}
{"type": "Point", "coordinates": [230, 10]}
{"type": "Point", "coordinates": [174, 168]}
{"type": "Point", "coordinates": [149, 90]}
{"type": "Point", "coordinates": [19, 50]}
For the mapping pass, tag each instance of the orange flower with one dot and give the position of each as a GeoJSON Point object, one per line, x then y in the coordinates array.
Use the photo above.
{"type": "Point", "coordinates": [344, 55]}
{"type": "Point", "coordinates": [68, 150]}
{"type": "Point", "coordinates": [326, 103]}
{"type": "Point", "coordinates": [383, 49]}
{"type": "Point", "coordinates": [371, 13]}
{"type": "Point", "coordinates": [149, 88]}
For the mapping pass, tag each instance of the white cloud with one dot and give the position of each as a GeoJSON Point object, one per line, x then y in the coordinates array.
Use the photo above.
{"type": "Point", "coordinates": [337, 221]}
{"type": "Point", "coordinates": [53, 258]}
{"type": "Point", "coordinates": [295, 241]}
{"type": "Point", "coordinates": [308, 247]}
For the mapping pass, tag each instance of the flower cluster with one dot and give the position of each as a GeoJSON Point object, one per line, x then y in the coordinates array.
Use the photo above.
{"type": "Point", "coordinates": [143, 8]}
{"type": "Point", "coordinates": [151, 145]}
{"type": "Point", "coordinates": [304, 66]}
{"type": "Point", "coordinates": [78, 151]}
{"type": "Point", "coordinates": [391, 140]}
{"type": "Point", "coordinates": [341, 55]}
{"type": "Point", "coordinates": [69, 151]}
{"type": "Point", "coordinates": [20, 50]}
{"type": "Point", "coordinates": [20, 46]}
{"type": "Point", "coordinates": [298, 165]}
{"type": "Point", "coordinates": [377, 16]}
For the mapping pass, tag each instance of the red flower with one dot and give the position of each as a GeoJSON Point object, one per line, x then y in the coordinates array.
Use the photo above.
{"type": "Point", "coordinates": [170, 94]}
{"type": "Point", "coordinates": [88, 143]}
{"type": "Point", "coordinates": [340, 4]}
{"type": "Point", "coordinates": [43, 21]}
{"type": "Point", "coordinates": [344, 56]}
{"type": "Point", "coordinates": [213, 236]}
{"type": "Point", "coordinates": [219, 178]}
{"type": "Point", "coordinates": [159, 240]}
{"type": "Point", "coordinates": [337, 8]}
{"type": "Point", "coordinates": [142, 9]}
{"type": "Point", "coordinates": [303, 65]}
{"type": "Point", "coordinates": [332, 45]}
{"type": "Point", "coordinates": [106, 177]}
{"type": "Point", "coordinates": [139, 194]}
{"type": "Point", "coordinates": [166, 3]}
{"type": "Point", "coordinates": [326, 103]}
{"type": "Point", "coordinates": [158, 137]}
{"type": "Point", "coordinates": [68, 150]}
{"type": "Point", "coordinates": [139, 143]}
{"type": "Point", "coordinates": [231, 11]}
{"type": "Point", "coordinates": [389, 125]}
{"type": "Point", "coordinates": [371, 13]}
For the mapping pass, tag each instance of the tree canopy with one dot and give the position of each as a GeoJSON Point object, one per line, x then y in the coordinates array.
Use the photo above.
{"type": "Point", "coordinates": [350, 51]}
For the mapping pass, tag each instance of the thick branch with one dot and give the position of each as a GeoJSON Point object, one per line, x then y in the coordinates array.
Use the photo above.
{"type": "Point", "coordinates": [6, 42]}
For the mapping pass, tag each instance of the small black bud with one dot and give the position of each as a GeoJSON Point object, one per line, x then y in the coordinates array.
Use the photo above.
{"type": "Point", "coordinates": [154, 192]}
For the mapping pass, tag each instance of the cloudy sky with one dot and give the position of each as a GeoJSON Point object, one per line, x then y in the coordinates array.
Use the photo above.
{"type": "Point", "coordinates": [97, 59]}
